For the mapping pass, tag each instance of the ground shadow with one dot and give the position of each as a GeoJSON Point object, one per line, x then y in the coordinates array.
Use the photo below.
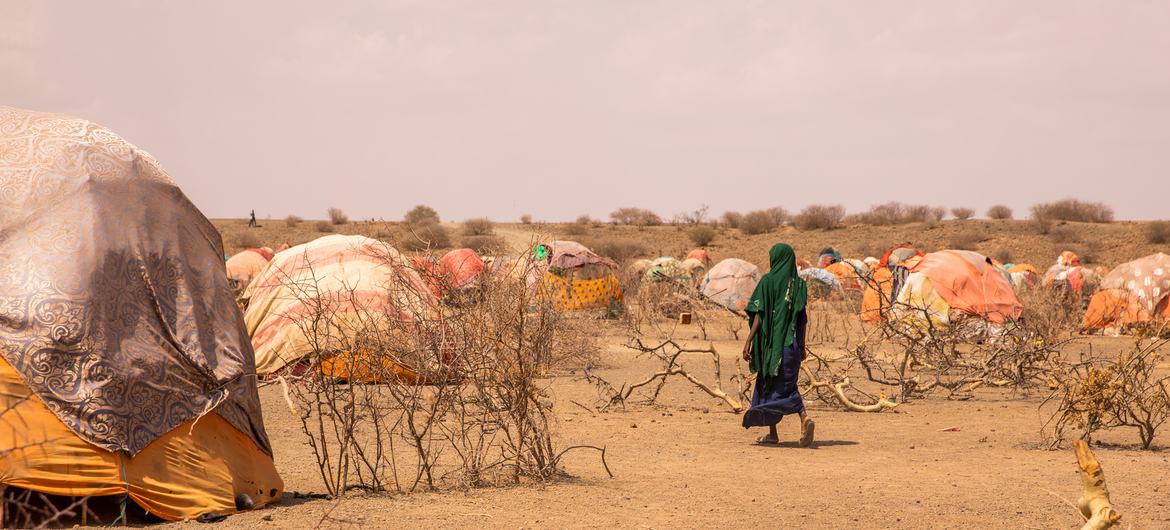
{"type": "Point", "coordinates": [816, 445]}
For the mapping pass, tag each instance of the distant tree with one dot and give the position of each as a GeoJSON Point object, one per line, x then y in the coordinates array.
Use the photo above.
{"type": "Point", "coordinates": [999, 211]}
{"type": "Point", "coordinates": [421, 214]}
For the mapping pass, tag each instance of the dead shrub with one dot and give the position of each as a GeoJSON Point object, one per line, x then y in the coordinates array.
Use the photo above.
{"type": "Point", "coordinates": [702, 235]}
{"type": "Point", "coordinates": [292, 221]}
{"type": "Point", "coordinates": [694, 217]}
{"type": "Point", "coordinates": [337, 217]}
{"type": "Point", "coordinates": [1065, 235]}
{"type": "Point", "coordinates": [248, 240]}
{"type": "Point", "coordinates": [478, 227]}
{"type": "Point", "coordinates": [732, 219]}
{"type": "Point", "coordinates": [484, 244]}
{"type": "Point", "coordinates": [999, 212]}
{"type": "Point", "coordinates": [896, 213]}
{"type": "Point", "coordinates": [757, 222]}
{"type": "Point", "coordinates": [1158, 232]}
{"type": "Point", "coordinates": [1104, 394]}
{"type": "Point", "coordinates": [619, 250]}
{"type": "Point", "coordinates": [585, 220]}
{"type": "Point", "coordinates": [526, 219]}
{"type": "Point", "coordinates": [424, 236]}
{"type": "Point", "coordinates": [820, 217]}
{"type": "Point", "coordinates": [325, 227]}
{"type": "Point", "coordinates": [779, 215]}
{"type": "Point", "coordinates": [1073, 210]}
{"type": "Point", "coordinates": [635, 216]}
{"type": "Point", "coordinates": [421, 214]}
{"type": "Point", "coordinates": [962, 214]}
{"type": "Point", "coordinates": [577, 229]}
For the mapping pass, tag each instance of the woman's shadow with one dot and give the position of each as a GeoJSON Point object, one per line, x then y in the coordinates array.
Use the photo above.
{"type": "Point", "coordinates": [817, 444]}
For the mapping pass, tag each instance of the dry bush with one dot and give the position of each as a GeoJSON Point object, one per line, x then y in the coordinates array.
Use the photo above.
{"type": "Point", "coordinates": [896, 213]}
{"type": "Point", "coordinates": [424, 236]}
{"type": "Point", "coordinates": [24, 508]}
{"type": "Point", "coordinates": [619, 250]}
{"type": "Point", "coordinates": [337, 217]}
{"type": "Point", "coordinates": [325, 227]}
{"type": "Point", "coordinates": [479, 416]}
{"type": "Point", "coordinates": [421, 214]}
{"type": "Point", "coordinates": [999, 211]}
{"type": "Point", "coordinates": [1041, 225]}
{"type": "Point", "coordinates": [585, 220]}
{"type": "Point", "coordinates": [702, 235]}
{"type": "Point", "coordinates": [1104, 394]}
{"type": "Point", "coordinates": [962, 214]}
{"type": "Point", "coordinates": [635, 216]}
{"type": "Point", "coordinates": [779, 215]}
{"type": "Point", "coordinates": [248, 240]}
{"type": "Point", "coordinates": [484, 245]}
{"type": "Point", "coordinates": [965, 241]}
{"type": "Point", "coordinates": [1158, 232]}
{"type": "Point", "coordinates": [526, 219]}
{"type": "Point", "coordinates": [732, 219]}
{"type": "Point", "coordinates": [577, 229]}
{"type": "Point", "coordinates": [694, 217]}
{"type": "Point", "coordinates": [820, 217]}
{"type": "Point", "coordinates": [292, 221]}
{"type": "Point", "coordinates": [1065, 235]}
{"type": "Point", "coordinates": [757, 222]}
{"type": "Point", "coordinates": [1073, 210]}
{"type": "Point", "coordinates": [479, 227]}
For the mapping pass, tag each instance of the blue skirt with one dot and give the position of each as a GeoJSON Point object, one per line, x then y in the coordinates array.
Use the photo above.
{"type": "Point", "coordinates": [776, 396]}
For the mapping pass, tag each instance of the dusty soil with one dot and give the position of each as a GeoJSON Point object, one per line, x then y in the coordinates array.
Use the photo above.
{"type": "Point", "coordinates": [685, 461]}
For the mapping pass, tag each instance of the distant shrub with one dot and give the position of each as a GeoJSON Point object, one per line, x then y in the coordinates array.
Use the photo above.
{"type": "Point", "coordinates": [819, 216]}
{"type": "Point", "coordinates": [779, 215]}
{"type": "Point", "coordinates": [337, 217]}
{"type": "Point", "coordinates": [1073, 210]}
{"type": "Point", "coordinates": [247, 240]}
{"type": "Point", "coordinates": [1065, 234]}
{"type": "Point", "coordinates": [483, 244]}
{"type": "Point", "coordinates": [732, 219]}
{"type": "Point", "coordinates": [584, 220]}
{"type": "Point", "coordinates": [576, 229]}
{"type": "Point", "coordinates": [896, 213]}
{"type": "Point", "coordinates": [1041, 225]}
{"type": "Point", "coordinates": [425, 235]}
{"type": "Point", "coordinates": [325, 227]}
{"type": "Point", "coordinates": [999, 211]}
{"type": "Point", "coordinates": [292, 220]}
{"type": "Point", "coordinates": [616, 249]}
{"type": "Point", "coordinates": [421, 214]}
{"type": "Point", "coordinates": [1158, 232]}
{"type": "Point", "coordinates": [965, 241]}
{"type": "Point", "coordinates": [478, 227]}
{"type": "Point", "coordinates": [526, 219]}
{"type": "Point", "coordinates": [962, 214]}
{"type": "Point", "coordinates": [924, 214]}
{"type": "Point", "coordinates": [757, 222]}
{"type": "Point", "coordinates": [635, 216]}
{"type": "Point", "coordinates": [702, 235]}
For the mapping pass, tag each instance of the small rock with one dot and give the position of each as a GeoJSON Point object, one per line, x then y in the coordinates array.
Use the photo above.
{"type": "Point", "coordinates": [267, 517]}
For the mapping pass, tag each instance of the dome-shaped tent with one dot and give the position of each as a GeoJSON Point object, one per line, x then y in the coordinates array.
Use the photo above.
{"type": "Point", "coordinates": [361, 285]}
{"type": "Point", "coordinates": [578, 279]}
{"type": "Point", "coordinates": [124, 365]}
{"type": "Point", "coordinates": [1136, 292]}
{"type": "Point", "coordinates": [246, 265]}
{"type": "Point", "coordinates": [961, 281]}
{"type": "Point", "coordinates": [731, 282]}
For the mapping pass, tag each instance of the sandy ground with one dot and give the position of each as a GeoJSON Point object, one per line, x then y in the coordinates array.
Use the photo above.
{"type": "Point", "coordinates": [687, 462]}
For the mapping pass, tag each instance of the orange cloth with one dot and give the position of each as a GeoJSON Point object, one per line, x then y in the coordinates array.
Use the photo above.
{"type": "Point", "coordinates": [875, 302]}
{"type": "Point", "coordinates": [185, 473]}
{"type": "Point", "coordinates": [846, 274]}
{"type": "Point", "coordinates": [971, 285]}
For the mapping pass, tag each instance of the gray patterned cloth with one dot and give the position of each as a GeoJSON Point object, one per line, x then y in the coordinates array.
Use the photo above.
{"type": "Point", "coordinates": [114, 304]}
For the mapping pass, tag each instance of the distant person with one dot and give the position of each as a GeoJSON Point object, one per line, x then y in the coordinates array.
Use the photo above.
{"type": "Point", "coordinates": [252, 220]}
{"type": "Point", "coordinates": [775, 346]}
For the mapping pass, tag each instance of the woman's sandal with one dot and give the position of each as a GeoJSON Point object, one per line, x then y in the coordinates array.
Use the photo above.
{"type": "Point", "coordinates": [806, 437]}
{"type": "Point", "coordinates": [767, 440]}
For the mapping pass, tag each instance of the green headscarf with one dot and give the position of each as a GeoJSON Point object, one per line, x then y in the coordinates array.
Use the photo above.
{"type": "Point", "coordinates": [777, 300]}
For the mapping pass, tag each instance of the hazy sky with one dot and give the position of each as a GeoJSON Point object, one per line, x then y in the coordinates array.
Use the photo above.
{"type": "Point", "coordinates": [491, 108]}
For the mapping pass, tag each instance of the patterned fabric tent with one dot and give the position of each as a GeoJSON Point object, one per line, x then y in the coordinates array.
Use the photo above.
{"type": "Point", "coordinates": [1133, 293]}
{"type": "Point", "coordinates": [364, 285]}
{"type": "Point", "coordinates": [577, 279]}
{"type": "Point", "coordinates": [118, 330]}
{"type": "Point", "coordinates": [245, 265]}
{"type": "Point", "coordinates": [956, 281]}
{"type": "Point", "coordinates": [731, 283]}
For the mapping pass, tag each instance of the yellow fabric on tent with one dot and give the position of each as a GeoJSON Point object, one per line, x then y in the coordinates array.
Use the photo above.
{"type": "Point", "coordinates": [918, 300]}
{"type": "Point", "coordinates": [571, 294]}
{"type": "Point", "coordinates": [186, 472]}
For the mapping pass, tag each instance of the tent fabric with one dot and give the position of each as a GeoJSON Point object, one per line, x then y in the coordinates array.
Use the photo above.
{"type": "Point", "coordinates": [821, 283]}
{"type": "Point", "coordinates": [640, 266]}
{"type": "Point", "coordinates": [1023, 267]}
{"type": "Point", "coordinates": [667, 269]}
{"type": "Point", "coordinates": [897, 255]}
{"type": "Point", "coordinates": [198, 467]}
{"type": "Point", "coordinates": [846, 274]}
{"type": "Point", "coordinates": [582, 288]}
{"type": "Point", "coordinates": [967, 283]}
{"type": "Point", "coordinates": [245, 265]}
{"type": "Point", "coordinates": [361, 282]}
{"type": "Point", "coordinates": [731, 283]}
{"type": "Point", "coordinates": [694, 268]}
{"type": "Point", "coordinates": [463, 267]}
{"type": "Point", "coordinates": [701, 255]}
{"type": "Point", "coordinates": [876, 299]}
{"type": "Point", "coordinates": [1133, 293]}
{"type": "Point", "coordinates": [918, 300]}
{"type": "Point", "coordinates": [571, 254]}
{"type": "Point", "coordinates": [114, 306]}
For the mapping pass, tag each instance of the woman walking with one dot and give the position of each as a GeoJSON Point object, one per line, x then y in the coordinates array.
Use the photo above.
{"type": "Point", "coordinates": [775, 346]}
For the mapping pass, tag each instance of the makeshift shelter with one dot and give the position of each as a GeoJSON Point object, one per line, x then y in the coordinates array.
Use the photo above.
{"type": "Point", "coordinates": [889, 275]}
{"type": "Point", "coordinates": [822, 284]}
{"type": "Point", "coordinates": [245, 265]}
{"type": "Point", "coordinates": [948, 283]}
{"type": "Point", "coordinates": [701, 255]}
{"type": "Point", "coordinates": [124, 365]}
{"type": "Point", "coordinates": [848, 275]}
{"type": "Point", "coordinates": [1133, 293]}
{"type": "Point", "coordinates": [639, 267]}
{"type": "Point", "coordinates": [667, 269]}
{"type": "Point", "coordinates": [363, 286]}
{"type": "Point", "coordinates": [731, 283]}
{"type": "Point", "coordinates": [695, 269]}
{"type": "Point", "coordinates": [578, 279]}
{"type": "Point", "coordinates": [828, 256]}
{"type": "Point", "coordinates": [463, 267]}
